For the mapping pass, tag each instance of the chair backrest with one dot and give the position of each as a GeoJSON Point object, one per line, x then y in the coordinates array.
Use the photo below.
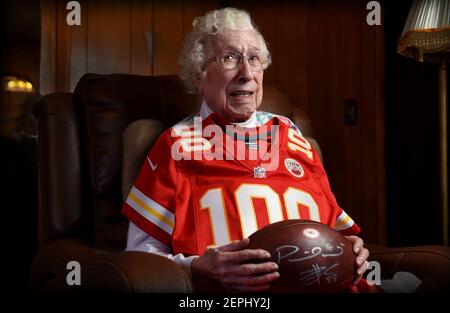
{"type": "Point", "coordinates": [81, 142]}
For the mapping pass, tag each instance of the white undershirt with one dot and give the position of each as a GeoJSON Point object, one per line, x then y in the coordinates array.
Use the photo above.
{"type": "Point", "coordinates": [138, 240]}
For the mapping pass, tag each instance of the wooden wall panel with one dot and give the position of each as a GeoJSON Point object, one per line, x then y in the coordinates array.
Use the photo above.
{"type": "Point", "coordinates": [372, 120]}
{"type": "Point", "coordinates": [191, 9]}
{"type": "Point", "coordinates": [141, 37]}
{"type": "Point", "coordinates": [291, 58]}
{"type": "Point", "coordinates": [78, 47]}
{"type": "Point", "coordinates": [48, 47]}
{"type": "Point", "coordinates": [63, 48]}
{"type": "Point", "coordinates": [348, 64]}
{"type": "Point", "coordinates": [319, 74]}
{"type": "Point", "coordinates": [168, 36]}
{"type": "Point", "coordinates": [109, 40]}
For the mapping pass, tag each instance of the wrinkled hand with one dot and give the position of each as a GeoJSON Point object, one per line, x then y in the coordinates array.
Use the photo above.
{"type": "Point", "coordinates": [361, 255]}
{"type": "Point", "coordinates": [226, 265]}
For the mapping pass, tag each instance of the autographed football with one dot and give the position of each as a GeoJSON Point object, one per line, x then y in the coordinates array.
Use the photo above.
{"type": "Point", "coordinates": [311, 257]}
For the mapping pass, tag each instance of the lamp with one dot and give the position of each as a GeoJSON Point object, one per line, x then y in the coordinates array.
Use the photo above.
{"type": "Point", "coordinates": [15, 84]}
{"type": "Point", "coordinates": [16, 97]}
{"type": "Point", "coordinates": [426, 37]}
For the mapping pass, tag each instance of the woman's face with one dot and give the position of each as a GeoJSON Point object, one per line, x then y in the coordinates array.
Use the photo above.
{"type": "Point", "coordinates": [236, 93]}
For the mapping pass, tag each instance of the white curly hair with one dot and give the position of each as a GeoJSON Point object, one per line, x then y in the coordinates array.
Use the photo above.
{"type": "Point", "coordinates": [194, 52]}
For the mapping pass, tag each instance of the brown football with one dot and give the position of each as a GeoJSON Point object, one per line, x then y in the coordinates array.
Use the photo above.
{"type": "Point", "coordinates": [312, 257]}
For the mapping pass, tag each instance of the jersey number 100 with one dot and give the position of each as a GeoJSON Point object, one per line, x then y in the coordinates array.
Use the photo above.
{"type": "Point", "coordinates": [244, 194]}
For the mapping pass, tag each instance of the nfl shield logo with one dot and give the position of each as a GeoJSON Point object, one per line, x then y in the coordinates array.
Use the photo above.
{"type": "Point", "coordinates": [259, 172]}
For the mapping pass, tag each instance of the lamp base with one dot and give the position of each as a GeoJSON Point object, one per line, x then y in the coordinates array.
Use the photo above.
{"type": "Point", "coordinates": [443, 149]}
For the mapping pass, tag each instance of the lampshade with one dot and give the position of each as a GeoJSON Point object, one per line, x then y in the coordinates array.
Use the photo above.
{"type": "Point", "coordinates": [426, 35]}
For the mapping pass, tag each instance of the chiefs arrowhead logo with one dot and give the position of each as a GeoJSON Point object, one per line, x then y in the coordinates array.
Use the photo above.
{"type": "Point", "coordinates": [294, 167]}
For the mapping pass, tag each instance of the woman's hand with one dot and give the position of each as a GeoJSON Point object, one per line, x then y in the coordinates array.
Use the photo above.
{"type": "Point", "coordinates": [227, 265]}
{"type": "Point", "coordinates": [361, 255]}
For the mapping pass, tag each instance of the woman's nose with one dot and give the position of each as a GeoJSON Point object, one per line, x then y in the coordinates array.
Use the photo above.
{"type": "Point", "coordinates": [245, 72]}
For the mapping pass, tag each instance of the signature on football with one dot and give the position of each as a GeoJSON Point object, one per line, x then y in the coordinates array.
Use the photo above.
{"type": "Point", "coordinates": [319, 274]}
{"type": "Point", "coordinates": [291, 252]}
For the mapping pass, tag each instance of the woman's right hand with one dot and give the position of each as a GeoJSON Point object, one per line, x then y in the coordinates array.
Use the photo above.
{"type": "Point", "coordinates": [227, 266]}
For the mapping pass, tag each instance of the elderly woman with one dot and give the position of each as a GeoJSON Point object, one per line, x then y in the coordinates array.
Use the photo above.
{"type": "Point", "coordinates": [199, 212]}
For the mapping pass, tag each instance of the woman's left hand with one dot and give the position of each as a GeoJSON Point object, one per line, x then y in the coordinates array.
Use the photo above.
{"type": "Point", "coordinates": [361, 254]}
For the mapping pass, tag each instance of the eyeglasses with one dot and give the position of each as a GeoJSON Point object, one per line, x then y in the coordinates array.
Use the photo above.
{"type": "Point", "coordinates": [232, 61]}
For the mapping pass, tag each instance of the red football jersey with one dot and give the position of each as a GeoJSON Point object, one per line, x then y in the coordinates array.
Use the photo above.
{"type": "Point", "coordinates": [206, 184]}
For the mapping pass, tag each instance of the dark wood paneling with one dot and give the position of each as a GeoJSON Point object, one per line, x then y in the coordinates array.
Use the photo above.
{"type": "Point", "coordinates": [109, 40]}
{"type": "Point", "coordinates": [291, 58]}
{"type": "Point", "coordinates": [319, 76]}
{"type": "Point", "coordinates": [348, 62]}
{"type": "Point", "coordinates": [48, 47]}
{"type": "Point", "coordinates": [167, 35]}
{"type": "Point", "coordinates": [141, 37]}
{"type": "Point", "coordinates": [62, 82]}
{"type": "Point", "coordinates": [78, 47]}
{"type": "Point", "coordinates": [191, 9]}
{"type": "Point", "coordinates": [369, 123]}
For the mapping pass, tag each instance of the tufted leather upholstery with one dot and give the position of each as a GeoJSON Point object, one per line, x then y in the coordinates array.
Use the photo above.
{"type": "Point", "coordinates": [80, 177]}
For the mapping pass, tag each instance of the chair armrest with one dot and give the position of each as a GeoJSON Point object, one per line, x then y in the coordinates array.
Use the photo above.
{"type": "Point", "coordinates": [59, 145]}
{"type": "Point", "coordinates": [431, 264]}
{"type": "Point", "coordinates": [124, 271]}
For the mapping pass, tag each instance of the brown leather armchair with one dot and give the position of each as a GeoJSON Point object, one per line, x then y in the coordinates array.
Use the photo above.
{"type": "Point", "coordinates": [80, 179]}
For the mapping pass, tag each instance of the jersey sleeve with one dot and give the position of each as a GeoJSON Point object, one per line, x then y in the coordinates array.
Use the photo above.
{"type": "Point", "coordinates": [343, 222]}
{"type": "Point", "coordinates": [151, 202]}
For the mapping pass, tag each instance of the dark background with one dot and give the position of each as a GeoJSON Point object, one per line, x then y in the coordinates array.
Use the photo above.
{"type": "Point", "coordinates": [20, 53]}
{"type": "Point", "coordinates": [411, 139]}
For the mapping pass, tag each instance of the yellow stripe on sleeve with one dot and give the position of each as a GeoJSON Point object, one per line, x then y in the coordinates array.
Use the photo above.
{"type": "Point", "coordinates": [151, 210]}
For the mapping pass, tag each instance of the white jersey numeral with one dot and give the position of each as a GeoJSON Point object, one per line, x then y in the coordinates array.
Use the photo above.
{"type": "Point", "coordinates": [244, 198]}
{"type": "Point", "coordinates": [244, 195]}
{"type": "Point", "coordinates": [213, 200]}
{"type": "Point", "coordinates": [294, 197]}
{"type": "Point", "coordinates": [299, 143]}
